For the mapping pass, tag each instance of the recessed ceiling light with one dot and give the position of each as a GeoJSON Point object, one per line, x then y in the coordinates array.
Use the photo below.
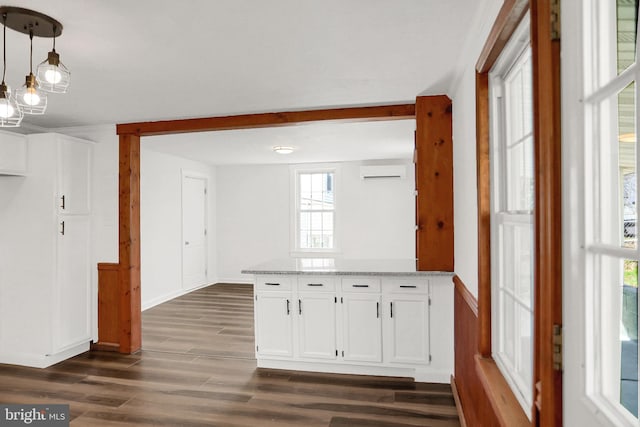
{"type": "Point", "coordinates": [281, 149]}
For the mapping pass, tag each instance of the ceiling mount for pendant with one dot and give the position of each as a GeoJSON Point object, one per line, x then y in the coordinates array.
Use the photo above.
{"type": "Point", "coordinates": [26, 21]}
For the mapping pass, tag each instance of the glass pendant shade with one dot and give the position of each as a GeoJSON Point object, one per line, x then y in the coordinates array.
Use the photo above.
{"type": "Point", "coordinates": [52, 75]}
{"type": "Point", "coordinates": [30, 98]}
{"type": "Point", "coordinates": [10, 113]}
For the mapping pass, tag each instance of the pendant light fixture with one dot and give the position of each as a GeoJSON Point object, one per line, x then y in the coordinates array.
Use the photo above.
{"type": "Point", "coordinates": [10, 113]}
{"type": "Point", "coordinates": [30, 98]}
{"type": "Point", "coordinates": [53, 76]}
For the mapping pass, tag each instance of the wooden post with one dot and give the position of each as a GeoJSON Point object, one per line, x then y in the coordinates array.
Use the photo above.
{"type": "Point", "coordinates": [129, 244]}
{"type": "Point", "coordinates": [434, 183]}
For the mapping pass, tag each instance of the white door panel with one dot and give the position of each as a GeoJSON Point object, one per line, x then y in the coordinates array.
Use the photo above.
{"type": "Point", "coordinates": [194, 232]}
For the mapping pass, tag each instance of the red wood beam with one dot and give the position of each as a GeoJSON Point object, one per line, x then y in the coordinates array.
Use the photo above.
{"type": "Point", "coordinates": [285, 118]}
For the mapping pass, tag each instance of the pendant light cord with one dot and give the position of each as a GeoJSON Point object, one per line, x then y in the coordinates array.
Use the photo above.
{"type": "Point", "coordinates": [30, 52]}
{"type": "Point", "coordinates": [4, 46]}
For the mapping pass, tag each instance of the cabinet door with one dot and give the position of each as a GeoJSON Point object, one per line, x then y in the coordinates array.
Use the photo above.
{"type": "Point", "coordinates": [362, 327]}
{"type": "Point", "coordinates": [317, 325]}
{"type": "Point", "coordinates": [274, 312]}
{"type": "Point", "coordinates": [13, 154]}
{"type": "Point", "coordinates": [406, 328]}
{"type": "Point", "coordinates": [74, 160]}
{"type": "Point", "coordinates": [72, 290]}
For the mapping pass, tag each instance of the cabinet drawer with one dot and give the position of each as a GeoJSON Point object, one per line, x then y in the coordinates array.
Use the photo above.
{"type": "Point", "coordinates": [361, 284]}
{"type": "Point", "coordinates": [316, 284]}
{"type": "Point", "coordinates": [274, 283]}
{"type": "Point", "coordinates": [405, 285]}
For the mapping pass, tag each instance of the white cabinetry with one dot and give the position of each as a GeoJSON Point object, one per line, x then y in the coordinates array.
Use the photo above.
{"type": "Point", "coordinates": [74, 160]}
{"type": "Point", "coordinates": [273, 317]}
{"type": "Point", "coordinates": [361, 320]}
{"type": "Point", "coordinates": [274, 323]}
{"type": "Point", "coordinates": [13, 154]}
{"type": "Point", "coordinates": [316, 314]}
{"type": "Point", "coordinates": [406, 321]}
{"type": "Point", "coordinates": [45, 258]}
{"type": "Point", "coordinates": [356, 324]}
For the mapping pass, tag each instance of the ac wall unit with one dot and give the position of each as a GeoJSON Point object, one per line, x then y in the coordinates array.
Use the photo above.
{"type": "Point", "coordinates": [383, 171]}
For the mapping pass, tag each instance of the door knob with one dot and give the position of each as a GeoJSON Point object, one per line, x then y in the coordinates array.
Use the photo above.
{"type": "Point", "coordinates": [186, 243]}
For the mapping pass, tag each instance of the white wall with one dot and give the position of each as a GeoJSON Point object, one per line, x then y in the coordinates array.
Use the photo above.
{"type": "Point", "coordinates": [377, 217]}
{"type": "Point", "coordinates": [161, 224]}
{"type": "Point", "coordinates": [253, 217]}
{"type": "Point", "coordinates": [463, 95]}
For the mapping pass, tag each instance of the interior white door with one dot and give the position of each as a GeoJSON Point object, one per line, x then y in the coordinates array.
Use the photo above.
{"type": "Point", "coordinates": [194, 232]}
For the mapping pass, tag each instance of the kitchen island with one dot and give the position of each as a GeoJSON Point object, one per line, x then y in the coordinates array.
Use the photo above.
{"type": "Point", "coordinates": [373, 317]}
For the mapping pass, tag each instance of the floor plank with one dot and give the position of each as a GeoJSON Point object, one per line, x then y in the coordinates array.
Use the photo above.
{"type": "Point", "coordinates": [197, 369]}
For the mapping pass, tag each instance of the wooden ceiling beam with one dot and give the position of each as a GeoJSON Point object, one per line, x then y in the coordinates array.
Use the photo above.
{"type": "Point", "coordinates": [287, 118]}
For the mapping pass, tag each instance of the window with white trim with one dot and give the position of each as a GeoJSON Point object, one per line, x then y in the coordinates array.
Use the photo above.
{"type": "Point", "coordinates": [315, 211]}
{"type": "Point", "coordinates": [610, 164]}
{"type": "Point", "coordinates": [512, 202]}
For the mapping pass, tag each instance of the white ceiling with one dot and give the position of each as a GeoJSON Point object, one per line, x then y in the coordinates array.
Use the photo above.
{"type": "Point", "coordinates": [147, 60]}
{"type": "Point", "coordinates": [316, 142]}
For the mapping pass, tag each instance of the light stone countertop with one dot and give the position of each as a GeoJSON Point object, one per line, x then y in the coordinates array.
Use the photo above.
{"type": "Point", "coordinates": [343, 267]}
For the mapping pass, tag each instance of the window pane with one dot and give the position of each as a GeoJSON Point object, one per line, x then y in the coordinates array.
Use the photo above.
{"type": "Point", "coordinates": [519, 137]}
{"type": "Point", "coordinates": [524, 340]}
{"type": "Point", "coordinates": [516, 261]}
{"type": "Point", "coordinates": [618, 321]}
{"type": "Point", "coordinates": [626, 17]}
{"type": "Point", "coordinates": [523, 254]}
{"type": "Point", "coordinates": [508, 328]}
{"type": "Point", "coordinates": [617, 162]}
{"type": "Point", "coordinates": [629, 338]}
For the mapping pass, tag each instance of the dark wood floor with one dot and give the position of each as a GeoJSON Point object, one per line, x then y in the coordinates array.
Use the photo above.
{"type": "Point", "coordinates": [196, 369]}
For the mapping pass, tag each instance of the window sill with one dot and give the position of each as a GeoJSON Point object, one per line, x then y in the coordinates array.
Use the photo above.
{"type": "Point", "coordinates": [503, 401]}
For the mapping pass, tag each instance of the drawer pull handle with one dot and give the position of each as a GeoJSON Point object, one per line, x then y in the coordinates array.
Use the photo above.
{"type": "Point", "coordinates": [392, 309]}
{"type": "Point", "coordinates": [300, 307]}
{"type": "Point", "coordinates": [408, 286]}
{"type": "Point", "coordinates": [315, 284]}
{"type": "Point", "coordinates": [288, 302]}
{"type": "Point", "coordinates": [377, 310]}
{"type": "Point", "coordinates": [272, 284]}
{"type": "Point", "coordinates": [360, 286]}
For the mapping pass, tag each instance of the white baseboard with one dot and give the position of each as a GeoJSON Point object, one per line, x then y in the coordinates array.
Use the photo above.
{"type": "Point", "coordinates": [236, 281]}
{"type": "Point", "coordinates": [41, 360]}
{"type": "Point", "coordinates": [419, 375]}
{"type": "Point", "coordinates": [171, 295]}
